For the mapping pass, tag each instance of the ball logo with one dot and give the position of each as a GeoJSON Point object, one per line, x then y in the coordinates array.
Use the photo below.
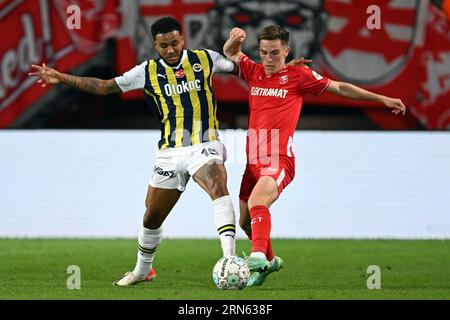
{"type": "Point", "coordinates": [197, 67]}
{"type": "Point", "coordinates": [179, 74]}
{"type": "Point", "coordinates": [230, 273]}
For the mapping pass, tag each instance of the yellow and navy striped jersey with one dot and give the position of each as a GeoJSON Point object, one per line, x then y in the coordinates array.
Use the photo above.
{"type": "Point", "coordinates": [184, 99]}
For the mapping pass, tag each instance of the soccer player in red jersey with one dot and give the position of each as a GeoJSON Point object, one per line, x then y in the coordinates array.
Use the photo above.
{"type": "Point", "coordinates": [275, 99]}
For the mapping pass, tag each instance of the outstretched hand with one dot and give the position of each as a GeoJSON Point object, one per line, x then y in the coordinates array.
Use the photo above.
{"type": "Point", "coordinates": [46, 74]}
{"type": "Point", "coordinates": [302, 62]}
{"type": "Point", "coordinates": [395, 104]}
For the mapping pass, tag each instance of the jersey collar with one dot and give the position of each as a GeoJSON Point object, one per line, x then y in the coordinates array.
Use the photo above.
{"type": "Point", "coordinates": [183, 56]}
{"type": "Point", "coordinates": [276, 73]}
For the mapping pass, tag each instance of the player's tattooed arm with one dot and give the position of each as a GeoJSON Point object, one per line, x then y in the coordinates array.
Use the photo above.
{"type": "Point", "coordinates": [91, 85]}
{"type": "Point", "coordinates": [95, 86]}
{"type": "Point", "coordinates": [353, 92]}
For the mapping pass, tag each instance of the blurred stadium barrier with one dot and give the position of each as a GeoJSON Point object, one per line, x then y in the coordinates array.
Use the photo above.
{"type": "Point", "coordinates": [347, 185]}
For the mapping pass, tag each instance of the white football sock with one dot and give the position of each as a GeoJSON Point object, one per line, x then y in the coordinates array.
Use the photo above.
{"type": "Point", "coordinates": [225, 223]}
{"type": "Point", "coordinates": [258, 254]}
{"type": "Point", "coordinates": [148, 241]}
{"type": "Point", "coordinates": [272, 262]}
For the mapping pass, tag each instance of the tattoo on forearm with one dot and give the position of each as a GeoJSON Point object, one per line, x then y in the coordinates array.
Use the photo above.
{"type": "Point", "coordinates": [90, 85]}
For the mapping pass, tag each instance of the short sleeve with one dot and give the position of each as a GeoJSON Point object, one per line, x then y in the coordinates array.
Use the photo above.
{"type": "Point", "coordinates": [246, 67]}
{"type": "Point", "coordinates": [220, 63]}
{"type": "Point", "coordinates": [132, 79]}
{"type": "Point", "coordinates": [312, 82]}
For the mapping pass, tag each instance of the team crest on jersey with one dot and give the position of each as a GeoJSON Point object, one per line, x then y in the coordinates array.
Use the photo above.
{"type": "Point", "coordinates": [284, 79]}
{"type": "Point", "coordinates": [179, 74]}
{"type": "Point", "coordinates": [318, 76]}
{"type": "Point", "coordinates": [197, 67]}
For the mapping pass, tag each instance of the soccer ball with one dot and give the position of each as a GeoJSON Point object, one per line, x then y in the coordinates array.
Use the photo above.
{"type": "Point", "coordinates": [231, 273]}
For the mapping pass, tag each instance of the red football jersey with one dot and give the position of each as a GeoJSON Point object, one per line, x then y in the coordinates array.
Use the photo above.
{"type": "Point", "coordinates": [275, 102]}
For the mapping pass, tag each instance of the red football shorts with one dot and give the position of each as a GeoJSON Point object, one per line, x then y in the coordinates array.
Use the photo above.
{"type": "Point", "coordinates": [282, 171]}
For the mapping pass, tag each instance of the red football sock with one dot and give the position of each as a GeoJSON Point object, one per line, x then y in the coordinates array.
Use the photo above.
{"type": "Point", "coordinates": [269, 252]}
{"type": "Point", "coordinates": [261, 225]}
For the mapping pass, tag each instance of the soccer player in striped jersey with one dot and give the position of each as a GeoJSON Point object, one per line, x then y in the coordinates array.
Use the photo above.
{"type": "Point", "coordinates": [276, 93]}
{"type": "Point", "coordinates": [179, 84]}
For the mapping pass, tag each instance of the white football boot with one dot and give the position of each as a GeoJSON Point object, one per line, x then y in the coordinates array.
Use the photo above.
{"type": "Point", "coordinates": [129, 278]}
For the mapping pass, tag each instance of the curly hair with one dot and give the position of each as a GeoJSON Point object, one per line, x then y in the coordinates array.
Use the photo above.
{"type": "Point", "coordinates": [165, 25]}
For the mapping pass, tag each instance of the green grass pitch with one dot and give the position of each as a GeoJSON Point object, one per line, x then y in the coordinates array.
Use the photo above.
{"type": "Point", "coordinates": [314, 269]}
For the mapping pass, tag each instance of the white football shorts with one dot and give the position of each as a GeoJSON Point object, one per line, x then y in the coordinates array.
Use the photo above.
{"type": "Point", "coordinates": [174, 166]}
